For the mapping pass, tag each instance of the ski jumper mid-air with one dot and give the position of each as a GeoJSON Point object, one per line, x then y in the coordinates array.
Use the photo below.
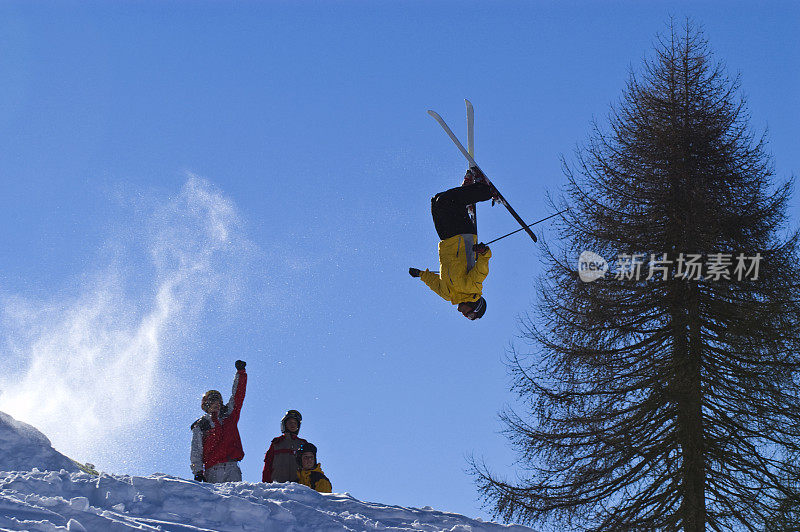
{"type": "Point", "coordinates": [463, 264]}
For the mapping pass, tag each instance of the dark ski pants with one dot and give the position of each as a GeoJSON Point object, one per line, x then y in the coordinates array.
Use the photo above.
{"type": "Point", "coordinates": [449, 209]}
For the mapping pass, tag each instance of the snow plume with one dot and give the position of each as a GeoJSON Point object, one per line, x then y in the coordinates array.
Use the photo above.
{"type": "Point", "coordinates": [84, 368]}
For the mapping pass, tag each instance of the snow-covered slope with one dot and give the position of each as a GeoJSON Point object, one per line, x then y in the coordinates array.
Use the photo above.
{"type": "Point", "coordinates": [79, 501]}
{"type": "Point", "coordinates": [58, 499]}
{"type": "Point", "coordinates": [22, 448]}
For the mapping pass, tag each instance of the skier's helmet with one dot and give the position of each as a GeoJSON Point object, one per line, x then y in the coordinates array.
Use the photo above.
{"type": "Point", "coordinates": [304, 448]}
{"type": "Point", "coordinates": [291, 414]}
{"type": "Point", "coordinates": [209, 397]}
{"type": "Point", "coordinates": [479, 308]}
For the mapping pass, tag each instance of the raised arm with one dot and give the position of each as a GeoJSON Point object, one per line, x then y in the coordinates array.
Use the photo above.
{"type": "Point", "coordinates": [237, 393]}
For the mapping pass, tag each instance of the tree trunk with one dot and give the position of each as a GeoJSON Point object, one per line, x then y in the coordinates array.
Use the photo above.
{"type": "Point", "coordinates": [690, 418]}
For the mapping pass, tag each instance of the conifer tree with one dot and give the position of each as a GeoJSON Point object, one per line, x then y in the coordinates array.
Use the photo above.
{"type": "Point", "coordinates": [666, 400]}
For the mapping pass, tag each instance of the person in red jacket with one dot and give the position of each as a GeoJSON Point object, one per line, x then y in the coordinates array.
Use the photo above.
{"type": "Point", "coordinates": [216, 445]}
{"type": "Point", "coordinates": [279, 462]}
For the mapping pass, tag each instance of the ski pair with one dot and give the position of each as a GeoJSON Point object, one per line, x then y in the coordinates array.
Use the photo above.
{"type": "Point", "coordinates": [469, 155]}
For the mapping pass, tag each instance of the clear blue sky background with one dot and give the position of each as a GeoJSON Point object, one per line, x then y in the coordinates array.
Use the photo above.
{"type": "Point", "coordinates": [307, 120]}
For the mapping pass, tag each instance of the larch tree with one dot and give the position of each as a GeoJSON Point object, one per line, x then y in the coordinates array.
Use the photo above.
{"type": "Point", "coordinates": [664, 394]}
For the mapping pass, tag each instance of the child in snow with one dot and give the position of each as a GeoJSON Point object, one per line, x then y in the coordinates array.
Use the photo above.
{"type": "Point", "coordinates": [279, 462]}
{"type": "Point", "coordinates": [461, 273]}
{"type": "Point", "coordinates": [216, 446]}
{"type": "Point", "coordinates": [309, 472]}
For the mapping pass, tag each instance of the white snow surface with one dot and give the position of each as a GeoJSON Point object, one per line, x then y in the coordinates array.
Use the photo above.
{"type": "Point", "coordinates": [22, 447]}
{"type": "Point", "coordinates": [40, 490]}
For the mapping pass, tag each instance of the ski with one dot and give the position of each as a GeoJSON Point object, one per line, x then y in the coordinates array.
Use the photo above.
{"type": "Point", "coordinates": [470, 127]}
{"type": "Point", "coordinates": [471, 209]}
{"type": "Point", "coordinates": [472, 163]}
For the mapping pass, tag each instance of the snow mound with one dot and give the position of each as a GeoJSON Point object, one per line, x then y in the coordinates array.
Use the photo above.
{"type": "Point", "coordinates": [49, 501]}
{"type": "Point", "coordinates": [23, 448]}
{"type": "Point", "coordinates": [44, 491]}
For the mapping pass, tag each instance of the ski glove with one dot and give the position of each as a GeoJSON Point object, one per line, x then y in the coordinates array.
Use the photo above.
{"type": "Point", "coordinates": [480, 248]}
{"type": "Point", "coordinates": [200, 477]}
{"type": "Point", "coordinates": [240, 364]}
{"type": "Point", "coordinates": [413, 272]}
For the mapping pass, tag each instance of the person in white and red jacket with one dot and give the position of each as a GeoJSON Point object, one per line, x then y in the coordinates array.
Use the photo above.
{"type": "Point", "coordinates": [216, 445]}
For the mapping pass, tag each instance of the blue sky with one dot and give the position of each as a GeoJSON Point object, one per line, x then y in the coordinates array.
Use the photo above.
{"type": "Point", "coordinates": [188, 183]}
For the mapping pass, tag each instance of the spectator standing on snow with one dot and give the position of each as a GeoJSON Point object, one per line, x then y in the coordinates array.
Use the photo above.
{"type": "Point", "coordinates": [216, 445]}
{"type": "Point", "coordinates": [279, 462]}
{"type": "Point", "coordinates": [309, 471]}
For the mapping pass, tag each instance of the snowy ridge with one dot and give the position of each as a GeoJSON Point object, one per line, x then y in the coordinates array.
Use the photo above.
{"type": "Point", "coordinates": [42, 490]}
{"type": "Point", "coordinates": [50, 500]}
{"type": "Point", "coordinates": [22, 447]}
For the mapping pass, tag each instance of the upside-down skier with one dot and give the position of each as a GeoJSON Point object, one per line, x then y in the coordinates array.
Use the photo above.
{"type": "Point", "coordinates": [463, 264]}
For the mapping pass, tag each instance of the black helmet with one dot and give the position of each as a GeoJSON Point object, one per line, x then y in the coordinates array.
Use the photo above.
{"type": "Point", "coordinates": [305, 448]}
{"type": "Point", "coordinates": [479, 308]}
{"type": "Point", "coordinates": [291, 414]}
